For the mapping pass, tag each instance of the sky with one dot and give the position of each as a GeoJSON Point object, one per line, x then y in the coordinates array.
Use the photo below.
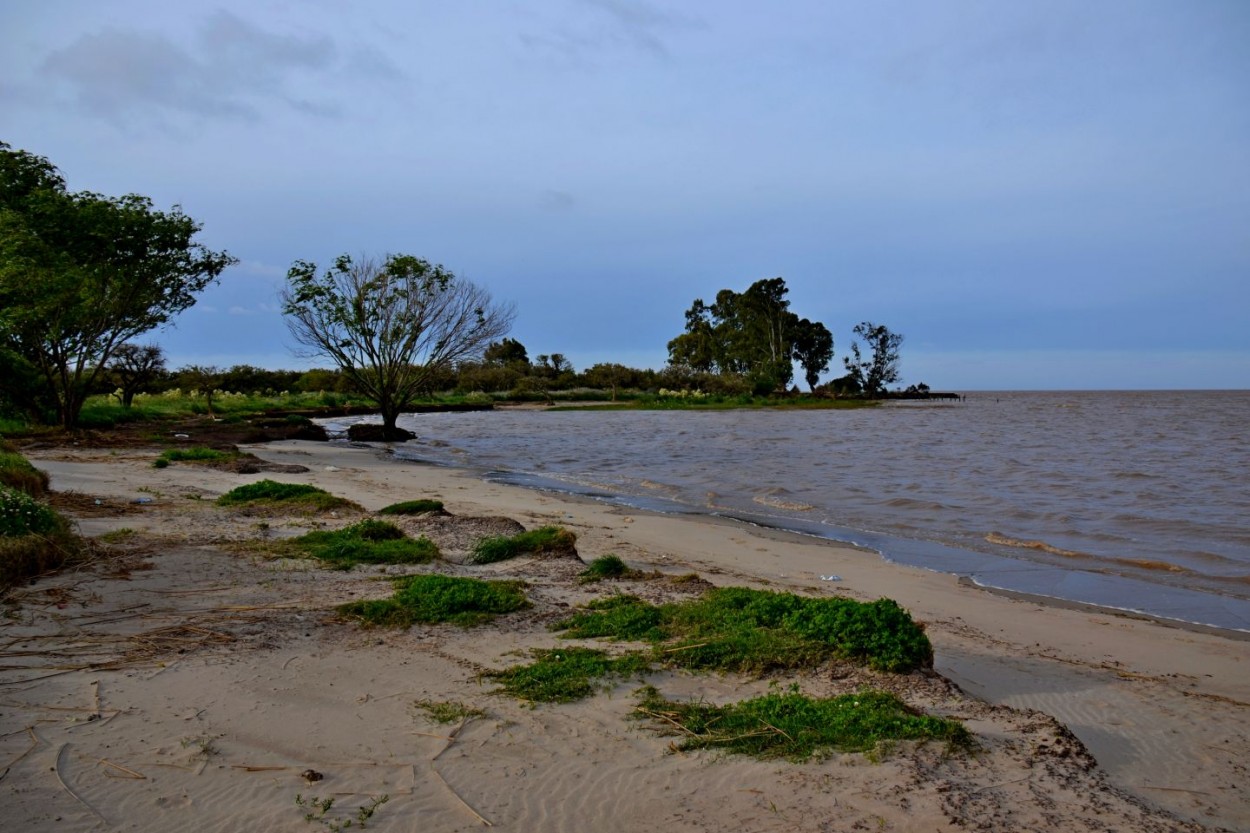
{"type": "Point", "coordinates": [1037, 195]}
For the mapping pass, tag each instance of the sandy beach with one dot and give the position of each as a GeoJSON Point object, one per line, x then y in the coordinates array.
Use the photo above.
{"type": "Point", "coordinates": [182, 682]}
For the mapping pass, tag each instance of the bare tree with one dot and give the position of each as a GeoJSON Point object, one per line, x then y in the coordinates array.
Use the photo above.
{"type": "Point", "coordinates": [391, 325]}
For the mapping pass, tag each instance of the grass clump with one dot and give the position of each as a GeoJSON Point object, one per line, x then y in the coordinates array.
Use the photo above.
{"type": "Point", "coordinates": [34, 538]}
{"type": "Point", "coordinates": [755, 631]}
{"type": "Point", "coordinates": [16, 472]}
{"type": "Point", "coordinates": [544, 539]}
{"type": "Point", "coordinates": [412, 507]}
{"type": "Point", "coordinates": [273, 493]}
{"type": "Point", "coordinates": [198, 454]}
{"type": "Point", "coordinates": [565, 675]}
{"type": "Point", "coordinates": [438, 598]}
{"type": "Point", "coordinates": [796, 727]}
{"type": "Point", "coordinates": [447, 711]}
{"type": "Point", "coordinates": [606, 567]}
{"type": "Point", "coordinates": [367, 542]}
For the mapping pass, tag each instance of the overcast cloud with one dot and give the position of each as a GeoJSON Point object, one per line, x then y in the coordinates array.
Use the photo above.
{"type": "Point", "coordinates": [1036, 194]}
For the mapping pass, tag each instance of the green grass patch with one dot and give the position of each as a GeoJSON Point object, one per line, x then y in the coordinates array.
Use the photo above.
{"type": "Point", "coordinates": [544, 539]}
{"type": "Point", "coordinates": [756, 631]}
{"type": "Point", "coordinates": [367, 542]}
{"type": "Point", "coordinates": [796, 727]}
{"type": "Point", "coordinates": [16, 472]}
{"type": "Point", "coordinates": [288, 495]}
{"type": "Point", "coordinates": [438, 598]}
{"type": "Point", "coordinates": [565, 675]}
{"type": "Point", "coordinates": [447, 711]}
{"type": "Point", "coordinates": [412, 507]}
{"type": "Point", "coordinates": [198, 454]}
{"type": "Point", "coordinates": [607, 567]}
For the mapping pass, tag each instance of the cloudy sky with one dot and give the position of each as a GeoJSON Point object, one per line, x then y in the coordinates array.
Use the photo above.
{"type": "Point", "coordinates": [1036, 194]}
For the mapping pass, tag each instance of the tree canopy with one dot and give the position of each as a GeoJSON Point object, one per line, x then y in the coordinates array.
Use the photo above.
{"type": "Point", "coordinates": [754, 334]}
{"type": "Point", "coordinates": [81, 273]}
{"type": "Point", "coordinates": [391, 325]}
{"type": "Point", "coordinates": [872, 374]}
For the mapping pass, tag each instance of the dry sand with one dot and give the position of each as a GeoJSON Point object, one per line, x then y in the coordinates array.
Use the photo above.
{"type": "Point", "coordinates": [179, 684]}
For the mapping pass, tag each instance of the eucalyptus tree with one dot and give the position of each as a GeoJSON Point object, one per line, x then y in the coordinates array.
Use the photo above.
{"type": "Point", "coordinates": [391, 325]}
{"type": "Point", "coordinates": [753, 334]}
{"type": "Point", "coordinates": [82, 273]}
{"type": "Point", "coordinates": [882, 367]}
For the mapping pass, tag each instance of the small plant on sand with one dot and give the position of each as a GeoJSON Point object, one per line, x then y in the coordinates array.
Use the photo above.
{"type": "Point", "coordinates": [606, 567]}
{"type": "Point", "coordinates": [755, 631]}
{"type": "Point", "coordinates": [447, 711]}
{"type": "Point", "coordinates": [318, 810]}
{"type": "Point", "coordinates": [367, 542]}
{"type": "Point", "coordinates": [286, 495]}
{"type": "Point", "coordinates": [542, 540]}
{"type": "Point", "coordinates": [565, 675]}
{"type": "Point", "coordinates": [413, 507]}
{"type": "Point", "coordinates": [796, 727]}
{"type": "Point", "coordinates": [202, 747]}
{"type": "Point", "coordinates": [198, 454]}
{"type": "Point", "coordinates": [437, 598]}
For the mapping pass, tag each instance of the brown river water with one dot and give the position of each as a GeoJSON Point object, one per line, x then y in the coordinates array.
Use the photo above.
{"type": "Point", "coordinates": [1131, 500]}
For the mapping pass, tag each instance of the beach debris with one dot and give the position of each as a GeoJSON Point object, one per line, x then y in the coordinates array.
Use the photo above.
{"type": "Point", "coordinates": [311, 775]}
{"type": "Point", "coordinates": [831, 578]}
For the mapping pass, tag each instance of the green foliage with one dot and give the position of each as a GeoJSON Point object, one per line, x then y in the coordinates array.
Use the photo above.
{"type": "Point", "coordinates": [793, 726]}
{"type": "Point", "coordinates": [81, 273]}
{"type": "Point", "coordinates": [317, 810]}
{"type": "Point", "coordinates": [273, 493]}
{"type": "Point", "coordinates": [873, 374]}
{"type": "Point", "coordinates": [21, 514]}
{"type": "Point", "coordinates": [565, 675]}
{"type": "Point", "coordinates": [367, 542]}
{"type": "Point", "coordinates": [438, 598]}
{"type": "Point", "coordinates": [34, 538]}
{"type": "Point", "coordinates": [606, 567]}
{"type": "Point", "coordinates": [446, 711]}
{"type": "Point", "coordinates": [622, 616]}
{"type": "Point", "coordinates": [754, 631]}
{"type": "Point", "coordinates": [17, 472]}
{"type": "Point", "coordinates": [412, 507]}
{"type": "Point", "coordinates": [197, 454]}
{"type": "Point", "coordinates": [752, 334]}
{"type": "Point", "coordinates": [542, 540]}
{"type": "Point", "coordinates": [392, 326]}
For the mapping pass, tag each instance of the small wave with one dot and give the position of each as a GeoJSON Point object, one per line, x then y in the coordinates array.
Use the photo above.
{"type": "Point", "coordinates": [1004, 541]}
{"type": "Point", "coordinates": [778, 503]}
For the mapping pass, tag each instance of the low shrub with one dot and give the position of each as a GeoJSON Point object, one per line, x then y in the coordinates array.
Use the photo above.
{"type": "Point", "coordinates": [542, 540]}
{"type": "Point", "coordinates": [754, 631]}
{"type": "Point", "coordinates": [796, 727]}
{"type": "Point", "coordinates": [565, 675]}
{"type": "Point", "coordinates": [439, 598]}
{"type": "Point", "coordinates": [412, 507]}
{"type": "Point", "coordinates": [605, 567]}
{"type": "Point", "coordinates": [34, 539]}
{"type": "Point", "coordinates": [367, 542]}
{"type": "Point", "coordinates": [271, 492]}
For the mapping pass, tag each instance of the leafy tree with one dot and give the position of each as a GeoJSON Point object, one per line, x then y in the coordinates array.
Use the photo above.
{"type": "Point", "coordinates": [755, 334]}
{"type": "Point", "coordinates": [613, 376]}
{"type": "Point", "coordinates": [391, 325]}
{"type": "Point", "coordinates": [134, 367]}
{"type": "Point", "coordinates": [813, 349]}
{"type": "Point", "coordinates": [873, 374]}
{"type": "Point", "coordinates": [508, 352]}
{"type": "Point", "coordinates": [81, 273]}
{"type": "Point", "coordinates": [205, 378]}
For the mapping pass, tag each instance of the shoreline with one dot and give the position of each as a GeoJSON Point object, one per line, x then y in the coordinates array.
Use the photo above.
{"type": "Point", "coordinates": [1165, 711]}
{"type": "Point", "coordinates": [636, 503]}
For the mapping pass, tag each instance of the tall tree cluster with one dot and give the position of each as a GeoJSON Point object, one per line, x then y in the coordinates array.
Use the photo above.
{"type": "Point", "coordinates": [81, 274]}
{"type": "Point", "coordinates": [753, 334]}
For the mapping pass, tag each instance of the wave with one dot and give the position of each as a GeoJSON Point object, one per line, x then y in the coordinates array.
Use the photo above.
{"type": "Point", "coordinates": [778, 503]}
{"type": "Point", "coordinates": [1138, 563]}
